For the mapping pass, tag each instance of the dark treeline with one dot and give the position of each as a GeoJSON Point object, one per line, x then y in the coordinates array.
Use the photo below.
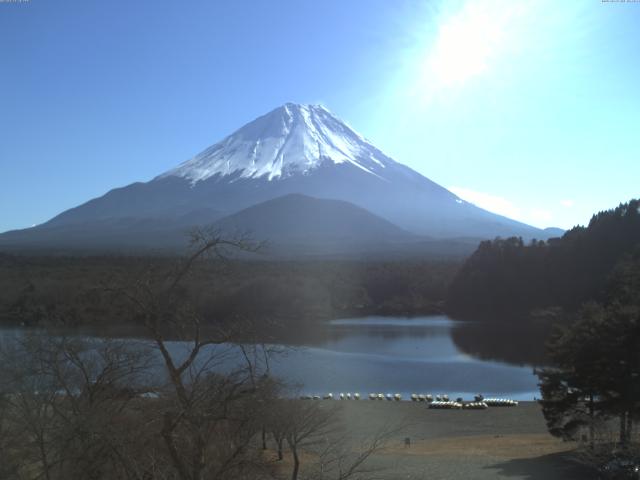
{"type": "Point", "coordinates": [72, 291]}
{"type": "Point", "coordinates": [505, 278]}
{"type": "Point", "coordinates": [591, 390]}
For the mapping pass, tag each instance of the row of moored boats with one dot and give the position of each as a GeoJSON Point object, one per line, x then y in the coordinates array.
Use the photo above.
{"type": "Point", "coordinates": [439, 401]}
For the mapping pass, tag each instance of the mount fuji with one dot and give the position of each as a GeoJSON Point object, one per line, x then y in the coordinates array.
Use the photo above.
{"type": "Point", "coordinates": [297, 154]}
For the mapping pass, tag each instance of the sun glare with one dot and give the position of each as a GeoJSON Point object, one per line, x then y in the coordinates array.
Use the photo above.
{"type": "Point", "coordinates": [464, 46]}
{"type": "Point", "coordinates": [468, 41]}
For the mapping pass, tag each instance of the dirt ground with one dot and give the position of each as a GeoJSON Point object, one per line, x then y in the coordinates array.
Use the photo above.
{"type": "Point", "coordinates": [498, 443]}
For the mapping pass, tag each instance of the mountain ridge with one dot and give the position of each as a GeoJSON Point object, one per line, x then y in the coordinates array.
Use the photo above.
{"type": "Point", "coordinates": [294, 149]}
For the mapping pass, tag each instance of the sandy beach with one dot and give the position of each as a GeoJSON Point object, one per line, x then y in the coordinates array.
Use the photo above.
{"type": "Point", "coordinates": [508, 442]}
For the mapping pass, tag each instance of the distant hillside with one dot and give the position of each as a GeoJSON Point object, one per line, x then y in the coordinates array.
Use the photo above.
{"type": "Point", "coordinates": [292, 226]}
{"type": "Point", "coordinates": [552, 232]}
{"type": "Point", "coordinates": [505, 277]}
{"type": "Point", "coordinates": [299, 219]}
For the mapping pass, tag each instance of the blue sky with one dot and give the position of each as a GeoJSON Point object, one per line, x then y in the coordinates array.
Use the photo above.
{"type": "Point", "coordinates": [529, 109]}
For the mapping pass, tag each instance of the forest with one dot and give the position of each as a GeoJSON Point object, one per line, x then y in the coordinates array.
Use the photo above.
{"type": "Point", "coordinates": [289, 298]}
{"type": "Point", "coordinates": [506, 278]}
{"type": "Point", "coordinates": [581, 294]}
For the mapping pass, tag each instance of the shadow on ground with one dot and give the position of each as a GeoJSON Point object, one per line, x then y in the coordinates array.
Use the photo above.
{"type": "Point", "coordinates": [545, 467]}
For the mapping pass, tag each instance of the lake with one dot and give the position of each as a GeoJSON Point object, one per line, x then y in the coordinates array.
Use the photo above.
{"type": "Point", "coordinates": [401, 355]}
{"type": "Point", "coordinates": [386, 355]}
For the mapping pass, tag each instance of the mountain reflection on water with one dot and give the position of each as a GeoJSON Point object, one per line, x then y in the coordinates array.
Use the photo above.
{"type": "Point", "coordinates": [413, 355]}
{"type": "Point", "coordinates": [500, 341]}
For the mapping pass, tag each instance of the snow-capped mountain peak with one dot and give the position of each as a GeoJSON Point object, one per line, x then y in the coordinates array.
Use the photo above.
{"type": "Point", "coordinates": [287, 164]}
{"type": "Point", "coordinates": [292, 139]}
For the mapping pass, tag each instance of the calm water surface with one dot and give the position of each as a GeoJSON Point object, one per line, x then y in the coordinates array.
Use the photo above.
{"type": "Point", "coordinates": [400, 355]}
{"type": "Point", "coordinates": [382, 355]}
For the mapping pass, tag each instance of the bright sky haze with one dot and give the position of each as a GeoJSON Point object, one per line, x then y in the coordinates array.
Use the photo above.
{"type": "Point", "coordinates": [528, 109]}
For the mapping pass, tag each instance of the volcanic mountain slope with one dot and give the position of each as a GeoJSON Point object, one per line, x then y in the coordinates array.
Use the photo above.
{"type": "Point", "coordinates": [301, 223]}
{"type": "Point", "coordinates": [294, 149]}
{"type": "Point", "coordinates": [291, 224]}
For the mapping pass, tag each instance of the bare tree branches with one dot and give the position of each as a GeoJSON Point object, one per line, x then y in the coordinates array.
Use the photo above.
{"type": "Point", "coordinates": [64, 398]}
{"type": "Point", "coordinates": [160, 409]}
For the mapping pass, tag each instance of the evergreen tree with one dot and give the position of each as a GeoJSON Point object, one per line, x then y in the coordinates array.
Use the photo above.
{"type": "Point", "coordinates": [596, 361]}
{"type": "Point", "coordinates": [505, 278]}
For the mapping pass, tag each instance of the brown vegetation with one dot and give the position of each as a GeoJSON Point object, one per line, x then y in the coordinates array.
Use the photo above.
{"type": "Point", "coordinates": [77, 408]}
{"type": "Point", "coordinates": [292, 296]}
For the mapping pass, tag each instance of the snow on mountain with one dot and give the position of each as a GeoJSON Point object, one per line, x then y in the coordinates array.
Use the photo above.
{"type": "Point", "coordinates": [292, 150]}
{"type": "Point", "coordinates": [290, 139]}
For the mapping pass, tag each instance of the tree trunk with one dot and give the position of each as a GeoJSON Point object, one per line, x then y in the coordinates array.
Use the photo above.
{"type": "Point", "coordinates": [591, 425]}
{"type": "Point", "coordinates": [623, 428]}
{"type": "Point", "coordinates": [296, 464]}
{"type": "Point", "coordinates": [264, 438]}
{"type": "Point", "coordinates": [167, 435]}
{"type": "Point", "coordinates": [198, 458]}
{"type": "Point", "coordinates": [44, 459]}
{"type": "Point", "coordinates": [280, 455]}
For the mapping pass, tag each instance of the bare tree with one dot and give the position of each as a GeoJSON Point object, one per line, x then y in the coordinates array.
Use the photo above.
{"type": "Point", "coordinates": [309, 424]}
{"type": "Point", "coordinates": [66, 400]}
{"type": "Point", "coordinates": [314, 430]}
{"type": "Point", "coordinates": [209, 419]}
{"type": "Point", "coordinates": [199, 407]}
{"type": "Point", "coordinates": [344, 458]}
{"type": "Point", "coordinates": [277, 423]}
